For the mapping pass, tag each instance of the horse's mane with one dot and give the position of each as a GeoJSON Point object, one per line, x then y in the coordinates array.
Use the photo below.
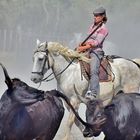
{"type": "Point", "coordinates": [66, 52]}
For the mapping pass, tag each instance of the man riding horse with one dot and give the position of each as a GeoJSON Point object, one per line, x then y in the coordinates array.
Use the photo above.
{"type": "Point", "coordinates": [94, 44]}
{"type": "Point", "coordinates": [124, 74]}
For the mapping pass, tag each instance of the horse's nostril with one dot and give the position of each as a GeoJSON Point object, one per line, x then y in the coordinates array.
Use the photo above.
{"type": "Point", "coordinates": [33, 79]}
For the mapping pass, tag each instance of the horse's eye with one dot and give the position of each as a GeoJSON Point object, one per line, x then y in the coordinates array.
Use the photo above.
{"type": "Point", "coordinates": [40, 59]}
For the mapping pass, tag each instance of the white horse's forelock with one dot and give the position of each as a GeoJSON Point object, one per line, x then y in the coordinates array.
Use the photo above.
{"type": "Point", "coordinates": [66, 52]}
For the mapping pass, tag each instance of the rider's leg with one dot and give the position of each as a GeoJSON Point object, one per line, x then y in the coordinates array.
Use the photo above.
{"type": "Point", "coordinates": [94, 88]}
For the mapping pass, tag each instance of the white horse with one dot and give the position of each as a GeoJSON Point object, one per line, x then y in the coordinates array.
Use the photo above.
{"type": "Point", "coordinates": [137, 60]}
{"type": "Point", "coordinates": [67, 71]}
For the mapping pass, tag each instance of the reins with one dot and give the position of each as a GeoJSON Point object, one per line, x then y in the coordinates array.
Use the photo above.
{"type": "Point", "coordinates": [45, 79]}
{"type": "Point", "coordinates": [41, 72]}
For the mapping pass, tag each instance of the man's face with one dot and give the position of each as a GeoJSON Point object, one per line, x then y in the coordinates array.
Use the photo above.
{"type": "Point", "coordinates": [98, 18]}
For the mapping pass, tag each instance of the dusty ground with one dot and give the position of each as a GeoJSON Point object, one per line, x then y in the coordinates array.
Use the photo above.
{"type": "Point", "coordinates": [75, 133]}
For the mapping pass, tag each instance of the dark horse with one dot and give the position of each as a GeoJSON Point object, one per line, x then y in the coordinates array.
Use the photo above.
{"type": "Point", "coordinates": [119, 120]}
{"type": "Point", "coordinates": [27, 113]}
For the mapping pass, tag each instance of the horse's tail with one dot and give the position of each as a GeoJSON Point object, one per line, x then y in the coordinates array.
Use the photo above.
{"type": "Point", "coordinates": [66, 99]}
{"type": "Point", "coordinates": [138, 65]}
{"type": "Point", "coordinates": [137, 62]}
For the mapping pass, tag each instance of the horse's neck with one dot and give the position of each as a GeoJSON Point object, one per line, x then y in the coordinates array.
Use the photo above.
{"type": "Point", "coordinates": [67, 75]}
{"type": "Point", "coordinates": [61, 66]}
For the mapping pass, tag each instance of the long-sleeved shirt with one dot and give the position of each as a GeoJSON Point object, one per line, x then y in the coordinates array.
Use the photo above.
{"type": "Point", "coordinates": [97, 37]}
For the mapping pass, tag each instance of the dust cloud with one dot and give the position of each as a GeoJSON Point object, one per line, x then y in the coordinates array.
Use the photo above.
{"type": "Point", "coordinates": [65, 21]}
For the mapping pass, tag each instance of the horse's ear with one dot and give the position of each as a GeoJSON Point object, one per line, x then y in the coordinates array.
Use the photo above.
{"type": "Point", "coordinates": [46, 43]}
{"type": "Point", "coordinates": [38, 42]}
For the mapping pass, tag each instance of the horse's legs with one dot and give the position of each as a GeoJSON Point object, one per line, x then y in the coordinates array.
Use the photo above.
{"type": "Point", "coordinates": [81, 127]}
{"type": "Point", "coordinates": [78, 124]}
{"type": "Point", "coordinates": [71, 118]}
{"type": "Point", "coordinates": [69, 125]}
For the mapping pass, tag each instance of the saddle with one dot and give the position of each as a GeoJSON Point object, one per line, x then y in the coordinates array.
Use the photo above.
{"type": "Point", "coordinates": [105, 73]}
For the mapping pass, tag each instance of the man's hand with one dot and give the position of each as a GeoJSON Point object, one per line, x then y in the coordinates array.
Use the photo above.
{"type": "Point", "coordinates": [83, 48]}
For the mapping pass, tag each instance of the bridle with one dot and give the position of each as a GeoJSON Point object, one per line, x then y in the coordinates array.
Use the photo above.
{"type": "Point", "coordinates": [47, 60]}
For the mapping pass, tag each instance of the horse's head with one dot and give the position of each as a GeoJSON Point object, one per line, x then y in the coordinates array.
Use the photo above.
{"type": "Point", "coordinates": [52, 55]}
{"type": "Point", "coordinates": [41, 62]}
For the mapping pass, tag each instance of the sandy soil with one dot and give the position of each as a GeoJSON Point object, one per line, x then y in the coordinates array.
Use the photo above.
{"type": "Point", "coordinates": [75, 133]}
